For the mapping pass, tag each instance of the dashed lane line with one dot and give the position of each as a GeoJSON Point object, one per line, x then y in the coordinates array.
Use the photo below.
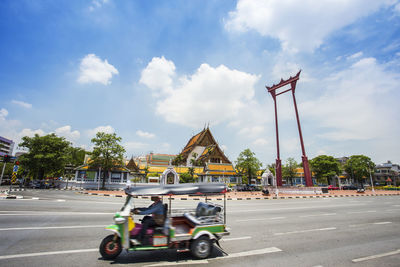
{"type": "Point", "coordinates": [318, 215]}
{"type": "Point", "coordinates": [365, 224]}
{"type": "Point", "coordinates": [51, 213]}
{"type": "Point", "coordinates": [235, 238]}
{"type": "Point", "coordinates": [306, 231]}
{"type": "Point", "coordinates": [230, 256]}
{"type": "Point", "coordinates": [233, 255]}
{"type": "Point", "coordinates": [173, 263]}
{"type": "Point", "coordinates": [6, 257]}
{"type": "Point", "coordinates": [250, 253]}
{"type": "Point", "coordinates": [390, 253]}
{"type": "Point", "coordinates": [261, 219]}
{"type": "Point", "coordinates": [51, 227]}
{"type": "Point", "coordinates": [359, 212]}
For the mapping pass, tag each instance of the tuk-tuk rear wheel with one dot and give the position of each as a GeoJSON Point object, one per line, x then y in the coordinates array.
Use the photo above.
{"type": "Point", "coordinates": [201, 247]}
{"type": "Point", "coordinates": [110, 247]}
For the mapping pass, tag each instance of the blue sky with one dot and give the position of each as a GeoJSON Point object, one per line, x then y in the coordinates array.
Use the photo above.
{"type": "Point", "coordinates": [156, 72]}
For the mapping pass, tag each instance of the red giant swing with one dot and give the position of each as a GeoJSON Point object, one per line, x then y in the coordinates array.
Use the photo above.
{"type": "Point", "coordinates": [272, 90]}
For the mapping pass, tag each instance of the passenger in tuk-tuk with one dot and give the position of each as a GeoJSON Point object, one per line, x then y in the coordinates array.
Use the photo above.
{"type": "Point", "coordinates": [157, 210]}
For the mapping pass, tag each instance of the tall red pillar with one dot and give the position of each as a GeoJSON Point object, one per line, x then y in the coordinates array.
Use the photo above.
{"type": "Point", "coordinates": [272, 90]}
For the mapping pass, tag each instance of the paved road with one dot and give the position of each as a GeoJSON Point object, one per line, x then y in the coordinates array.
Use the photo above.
{"type": "Point", "coordinates": [62, 228]}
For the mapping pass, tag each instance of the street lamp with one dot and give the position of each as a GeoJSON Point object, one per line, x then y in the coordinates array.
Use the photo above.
{"type": "Point", "coordinates": [370, 177]}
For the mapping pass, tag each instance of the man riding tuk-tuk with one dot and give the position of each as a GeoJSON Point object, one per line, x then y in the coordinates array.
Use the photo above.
{"type": "Point", "coordinates": [191, 230]}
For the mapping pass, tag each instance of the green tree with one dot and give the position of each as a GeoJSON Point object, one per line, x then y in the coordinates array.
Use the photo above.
{"type": "Point", "coordinates": [325, 168]}
{"type": "Point", "coordinates": [191, 173]}
{"type": "Point", "coordinates": [178, 160]}
{"type": "Point", "coordinates": [358, 167]}
{"type": "Point", "coordinates": [76, 156]}
{"type": "Point", "coordinates": [289, 170]}
{"type": "Point", "coordinates": [185, 178]}
{"type": "Point", "coordinates": [248, 165]}
{"type": "Point", "coordinates": [47, 155]}
{"type": "Point", "coordinates": [107, 153]}
{"type": "Point", "coordinates": [271, 168]}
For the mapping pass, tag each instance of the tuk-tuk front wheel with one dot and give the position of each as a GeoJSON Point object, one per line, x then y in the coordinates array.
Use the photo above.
{"type": "Point", "coordinates": [201, 247]}
{"type": "Point", "coordinates": [110, 247]}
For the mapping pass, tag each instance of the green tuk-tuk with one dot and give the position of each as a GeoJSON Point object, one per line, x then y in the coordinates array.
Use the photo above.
{"type": "Point", "coordinates": [193, 230]}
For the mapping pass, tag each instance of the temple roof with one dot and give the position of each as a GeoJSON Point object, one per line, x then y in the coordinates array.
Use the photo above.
{"type": "Point", "coordinates": [204, 139]}
{"type": "Point", "coordinates": [132, 166]}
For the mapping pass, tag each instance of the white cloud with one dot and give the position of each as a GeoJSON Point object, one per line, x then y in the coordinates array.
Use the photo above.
{"type": "Point", "coordinates": [145, 134]}
{"type": "Point", "coordinates": [158, 76]}
{"type": "Point", "coordinates": [66, 132]}
{"type": "Point", "coordinates": [3, 113]}
{"type": "Point", "coordinates": [21, 104]}
{"type": "Point", "coordinates": [358, 103]}
{"type": "Point", "coordinates": [30, 133]}
{"type": "Point", "coordinates": [355, 56]}
{"type": "Point", "coordinates": [261, 142]}
{"type": "Point", "coordinates": [397, 8]}
{"type": "Point", "coordinates": [105, 129]}
{"type": "Point", "coordinates": [299, 25]}
{"type": "Point", "coordinates": [94, 70]}
{"type": "Point", "coordinates": [251, 132]}
{"type": "Point", "coordinates": [134, 147]}
{"type": "Point", "coordinates": [199, 97]}
{"type": "Point", "coordinates": [97, 4]}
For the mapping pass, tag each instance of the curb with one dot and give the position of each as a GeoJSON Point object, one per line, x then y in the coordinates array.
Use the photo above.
{"type": "Point", "coordinates": [248, 198]}
{"type": "Point", "coordinates": [11, 197]}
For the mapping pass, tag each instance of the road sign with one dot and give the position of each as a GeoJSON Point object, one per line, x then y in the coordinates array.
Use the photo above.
{"type": "Point", "coordinates": [14, 174]}
{"type": "Point", "coordinates": [14, 178]}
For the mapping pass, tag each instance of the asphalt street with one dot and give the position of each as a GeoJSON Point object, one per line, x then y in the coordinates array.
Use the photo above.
{"type": "Point", "coordinates": [63, 228]}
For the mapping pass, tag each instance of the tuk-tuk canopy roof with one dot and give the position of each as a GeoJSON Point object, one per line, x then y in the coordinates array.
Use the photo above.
{"type": "Point", "coordinates": [181, 189]}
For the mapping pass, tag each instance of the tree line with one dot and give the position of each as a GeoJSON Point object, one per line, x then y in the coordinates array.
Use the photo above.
{"type": "Point", "coordinates": [48, 156]}
{"type": "Point", "coordinates": [324, 168]}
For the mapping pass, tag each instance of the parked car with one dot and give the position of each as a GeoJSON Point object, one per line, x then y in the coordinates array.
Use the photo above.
{"type": "Point", "coordinates": [332, 187]}
{"type": "Point", "coordinates": [39, 185]}
{"type": "Point", "coordinates": [349, 187]}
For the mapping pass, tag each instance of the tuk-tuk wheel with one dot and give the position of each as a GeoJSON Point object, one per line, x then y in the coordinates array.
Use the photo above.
{"type": "Point", "coordinates": [201, 247]}
{"type": "Point", "coordinates": [110, 248]}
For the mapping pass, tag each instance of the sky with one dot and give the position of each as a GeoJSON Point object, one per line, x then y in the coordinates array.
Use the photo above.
{"type": "Point", "coordinates": [158, 72]}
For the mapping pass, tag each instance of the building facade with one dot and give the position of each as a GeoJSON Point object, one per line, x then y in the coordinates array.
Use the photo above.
{"type": "Point", "coordinates": [6, 146]}
{"type": "Point", "coordinates": [387, 174]}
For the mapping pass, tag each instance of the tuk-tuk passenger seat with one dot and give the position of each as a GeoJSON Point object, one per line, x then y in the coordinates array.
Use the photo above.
{"type": "Point", "coordinates": [203, 213]}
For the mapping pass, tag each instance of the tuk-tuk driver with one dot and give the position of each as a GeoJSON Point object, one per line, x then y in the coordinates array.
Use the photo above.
{"type": "Point", "coordinates": [157, 219]}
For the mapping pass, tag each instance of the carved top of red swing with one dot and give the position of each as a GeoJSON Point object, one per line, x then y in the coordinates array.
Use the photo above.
{"type": "Point", "coordinates": [284, 82]}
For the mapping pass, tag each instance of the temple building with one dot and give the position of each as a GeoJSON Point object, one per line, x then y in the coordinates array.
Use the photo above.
{"type": "Point", "coordinates": [202, 159]}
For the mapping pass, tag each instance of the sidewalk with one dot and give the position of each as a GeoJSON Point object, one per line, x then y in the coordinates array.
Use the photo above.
{"type": "Point", "coordinates": [259, 195]}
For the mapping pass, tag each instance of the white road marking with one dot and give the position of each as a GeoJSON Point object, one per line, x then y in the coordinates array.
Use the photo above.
{"type": "Point", "coordinates": [357, 212]}
{"type": "Point", "coordinates": [317, 215]}
{"type": "Point", "coordinates": [306, 231]}
{"type": "Point", "coordinates": [236, 238]}
{"type": "Point", "coordinates": [188, 262]}
{"type": "Point", "coordinates": [5, 257]}
{"type": "Point", "coordinates": [296, 208]}
{"type": "Point", "coordinates": [50, 213]}
{"type": "Point", "coordinates": [60, 200]}
{"type": "Point", "coordinates": [377, 256]}
{"type": "Point", "coordinates": [51, 227]}
{"type": "Point", "coordinates": [250, 253]}
{"type": "Point", "coordinates": [232, 255]}
{"type": "Point", "coordinates": [261, 219]}
{"type": "Point", "coordinates": [364, 224]}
